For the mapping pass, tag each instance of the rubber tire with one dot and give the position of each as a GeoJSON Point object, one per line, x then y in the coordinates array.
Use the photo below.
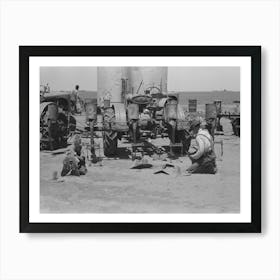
{"type": "Point", "coordinates": [130, 132]}
{"type": "Point", "coordinates": [110, 143]}
{"type": "Point", "coordinates": [180, 137]}
{"type": "Point", "coordinates": [171, 124]}
{"type": "Point", "coordinates": [110, 137]}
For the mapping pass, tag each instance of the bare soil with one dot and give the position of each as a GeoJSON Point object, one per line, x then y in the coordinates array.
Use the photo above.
{"type": "Point", "coordinates": [113, 187]}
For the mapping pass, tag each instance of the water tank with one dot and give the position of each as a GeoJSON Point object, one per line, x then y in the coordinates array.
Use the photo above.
{"type": "Point", "coordinates": [218, 104]}
{"type": "Point", "coordinates": [210, 111]}
{"type": "Point", "coordinates": [110, 84]}
{"type": "Point", "coordinates": [237, 107]}
{"type": "Point", "coordinates": [144, 78]}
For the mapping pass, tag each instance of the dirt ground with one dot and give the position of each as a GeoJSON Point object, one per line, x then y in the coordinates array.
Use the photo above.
{"type": "Point", "coordinates": [112, 187]}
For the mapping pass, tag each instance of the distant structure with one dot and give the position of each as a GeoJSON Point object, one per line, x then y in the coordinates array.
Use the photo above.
{"type": "Point", "coordinates": [192, 105]}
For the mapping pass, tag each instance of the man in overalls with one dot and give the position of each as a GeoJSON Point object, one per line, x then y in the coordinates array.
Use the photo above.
{"type": "Point", "coordinates": [201, 153]}
{"type": "Point", "coordinates": [75, 160]}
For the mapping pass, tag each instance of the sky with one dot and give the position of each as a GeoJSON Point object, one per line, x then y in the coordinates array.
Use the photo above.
{"type": "Point", "coordinates": [179, 78]}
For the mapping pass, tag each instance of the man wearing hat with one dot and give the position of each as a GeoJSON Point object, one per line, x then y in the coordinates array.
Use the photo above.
{"type": "Point", "coordinates": [202, 152]}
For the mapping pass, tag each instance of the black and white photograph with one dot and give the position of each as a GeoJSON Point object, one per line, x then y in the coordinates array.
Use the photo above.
{"type": "Point", "coordinates": [140, 139]}
{"type": "Point", "coordinates": [136, 135]}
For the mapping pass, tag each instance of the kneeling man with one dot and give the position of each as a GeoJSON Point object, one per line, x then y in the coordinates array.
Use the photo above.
{"type": "Point", "coordinates": [202, 152]}
{"type": "Point", "coordinates": [75, 160]}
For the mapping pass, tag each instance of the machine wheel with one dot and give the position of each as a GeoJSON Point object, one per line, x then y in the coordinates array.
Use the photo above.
{"type": "Point", "coordinates": [184, 137]}
{"type": "Point", "coordinates": [134, 132]}
{"type": "Point", "coordinates": [110, 143]}
{"type": "Point", "coordinates": [72, 124]}
{"type": "Point", "coordinates": [110, 138]}
{"type": "Point", "coordinates": [179, 136]}
{"type": "Point", "coordinates": [172, 131]}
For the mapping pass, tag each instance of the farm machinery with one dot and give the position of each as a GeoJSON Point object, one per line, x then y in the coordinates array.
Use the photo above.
{"type": "Point", "coordinates": [136, 111]}
{"type": "Point", "coordinates": [132, 104]}
{"type": "Point", "coordinates": [234, 117]}
{"type": "Point", "coordinates": [57, 122]}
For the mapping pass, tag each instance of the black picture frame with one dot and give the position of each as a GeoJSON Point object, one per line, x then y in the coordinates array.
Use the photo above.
{"type": "Point", "coordinates": [254, 52]}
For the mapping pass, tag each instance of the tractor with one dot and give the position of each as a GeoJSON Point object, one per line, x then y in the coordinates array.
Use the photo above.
{"type": "Point", "coordinates": [56, 120]}
{"type": "Point", "coordinates": [148, 112]}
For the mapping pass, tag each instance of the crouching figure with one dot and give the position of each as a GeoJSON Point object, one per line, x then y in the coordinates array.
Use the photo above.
{"type": "Point", "coordinates": [202, 153]}
{"type": "Point", "coordinates": [75, 160]}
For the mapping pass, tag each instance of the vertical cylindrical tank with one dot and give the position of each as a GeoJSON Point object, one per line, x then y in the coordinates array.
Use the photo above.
{"type": "Point", "coordinates": [192, 105]}
{"type": "Point", "coordinates": [210, 111]}
{"type": "Point", "coordinates": [147, 78]}
{"type": "Point", "coordinates": [237, 107]}
{"type": "Point", "coordinates": [110, 84]}
{"type": "Point", "coordinates": [133, 111]}
{"type": "Point", "coordinates": [218, 104]}
{"type": "Point", "coordinates": [171, 110]}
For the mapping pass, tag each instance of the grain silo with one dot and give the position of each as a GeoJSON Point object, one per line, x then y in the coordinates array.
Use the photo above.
{"type": "Point", "coordinates": [147, 78]}
{"type": "Point", "coordinates": [110, 84]}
